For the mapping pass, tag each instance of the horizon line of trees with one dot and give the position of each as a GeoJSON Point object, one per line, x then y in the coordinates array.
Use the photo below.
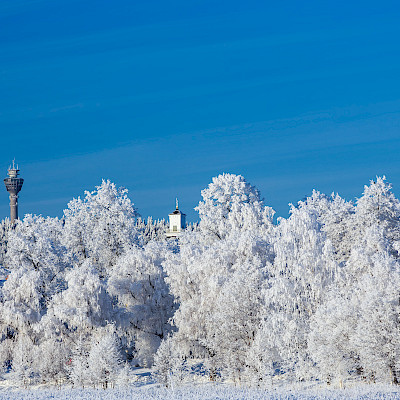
{"type": "Point", "coordinates": [315, 296]}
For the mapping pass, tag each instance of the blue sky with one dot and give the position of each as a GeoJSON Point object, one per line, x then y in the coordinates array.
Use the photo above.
{"type": "Point", "coordinates": [160, 96]}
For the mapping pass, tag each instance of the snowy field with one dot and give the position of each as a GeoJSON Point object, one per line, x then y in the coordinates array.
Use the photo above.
{"type": "Point", "coordinates": [205, 392]}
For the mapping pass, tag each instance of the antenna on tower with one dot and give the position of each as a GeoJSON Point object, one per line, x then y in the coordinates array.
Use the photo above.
{"type": "Point", "coordinates": [177, 203]}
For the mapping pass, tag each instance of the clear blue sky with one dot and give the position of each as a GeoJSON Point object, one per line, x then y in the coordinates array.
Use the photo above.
{"type": "Point", "coordinates": [160, 96]}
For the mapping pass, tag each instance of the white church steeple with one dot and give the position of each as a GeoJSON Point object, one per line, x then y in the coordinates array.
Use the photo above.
{"type": "Point", "coordinates": [177, 222]}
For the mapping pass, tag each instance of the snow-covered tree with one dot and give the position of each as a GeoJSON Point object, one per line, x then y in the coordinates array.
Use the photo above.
{"type": "Point", "coordinates": [331, 328]}
{"type": "Point", "coordinates": [37, 263]}
{"type": "Point", "coordinates": [72, 318]}
{"type": "Point", "coordinates": [144, 301]}
{"type": "Point", "coordinates": [23, 301]}
{"type": "Point", "coordinates": [237, 317]}
{"type": "Point", "coordinates": [5, 227]}
{"type": "Point", "coordinates": [355, 333]}
{"type": "Point", "coordinates": [35, 245]}
{"type": "Point", "coordinates": [334, 214]}
{"type": "Point", "coordinates": [101, 227]}
{"type": "Point", "coordinates": [170, 364]}
{"type": "Point", "coordinates": [104, 359]}
{"type": "Point", "coordinates": [77, 363]}
{"type": "Point", "coordinates": [85, 304]}
{"type": "Point", "coordinates": [378, 206]}
{"type": "Point", "coordinates": [206, 273]}
{"type": "Point", "coordinates": [150, 230]}
{"type": "Point", "coordinates": [51, 360]}
{"type": "Point", "coordinates": [231, 203]}
{"type": "Point", "coordinates": [304, 267]}
{"type": "Point", "coordinates": [377, 336]}
{"type": "Point", "coordinates": [23, 371]}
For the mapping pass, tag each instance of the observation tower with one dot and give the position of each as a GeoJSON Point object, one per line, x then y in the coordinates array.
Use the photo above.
{"type": "Point", "coordinates": [13, 186]}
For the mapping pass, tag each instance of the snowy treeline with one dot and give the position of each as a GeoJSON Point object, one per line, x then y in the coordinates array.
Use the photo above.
{"type": "Point", "coordinates": [239, 297]}
{"type": "Point", "coordinates": [85, 294]}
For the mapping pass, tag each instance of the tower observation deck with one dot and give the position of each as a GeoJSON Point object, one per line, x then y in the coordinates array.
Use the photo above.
{"type": "Point", "coordinates": [13, 186]}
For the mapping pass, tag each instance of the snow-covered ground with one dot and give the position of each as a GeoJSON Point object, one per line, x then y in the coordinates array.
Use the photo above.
{"type": "Point", "coordinates": [204, 392]}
